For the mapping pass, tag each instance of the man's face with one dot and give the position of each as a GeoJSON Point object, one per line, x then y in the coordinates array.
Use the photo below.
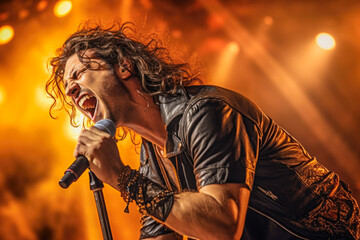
{"type": "Point", "coordinates": [95, 91]}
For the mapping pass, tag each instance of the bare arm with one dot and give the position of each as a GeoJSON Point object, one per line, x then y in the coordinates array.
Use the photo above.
{"type": "Point", "coordinates": [216, 212]}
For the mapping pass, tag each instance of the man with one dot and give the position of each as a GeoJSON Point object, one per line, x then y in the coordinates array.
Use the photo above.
{"type": "Point", "coordinates": [210, 158]}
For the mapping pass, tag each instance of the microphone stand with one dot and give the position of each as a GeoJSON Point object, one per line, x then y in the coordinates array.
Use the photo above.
{"type": "Point", "coordinates": [96, 186]}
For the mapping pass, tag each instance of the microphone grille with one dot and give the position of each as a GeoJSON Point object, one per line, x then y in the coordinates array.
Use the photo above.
{"type": "Point", "coordinates": [106, 125]}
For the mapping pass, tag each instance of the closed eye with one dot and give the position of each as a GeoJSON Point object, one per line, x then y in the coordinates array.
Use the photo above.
{"type": "Point", "coordinates": [80, 72]}
{"type": "Point", "coordinates": [75, 75]}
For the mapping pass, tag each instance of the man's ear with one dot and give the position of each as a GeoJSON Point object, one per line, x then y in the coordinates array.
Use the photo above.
{"type": "Point", "coordinates": [125, 70]}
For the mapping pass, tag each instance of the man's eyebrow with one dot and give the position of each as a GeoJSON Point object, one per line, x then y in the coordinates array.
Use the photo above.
{"type": "Point", "coordinates": [67, 76]}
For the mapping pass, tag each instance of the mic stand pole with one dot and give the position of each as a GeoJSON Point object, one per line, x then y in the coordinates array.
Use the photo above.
{"type": "Point", "coordinates": [96, 186]}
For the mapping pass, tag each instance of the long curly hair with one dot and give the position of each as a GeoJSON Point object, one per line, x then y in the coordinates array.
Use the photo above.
{"type": "Point", "coordinates": [152, 64]}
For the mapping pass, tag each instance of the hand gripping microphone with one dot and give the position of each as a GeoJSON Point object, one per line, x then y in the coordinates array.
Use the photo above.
{"type": "Point", "coordinates": [81, 163]}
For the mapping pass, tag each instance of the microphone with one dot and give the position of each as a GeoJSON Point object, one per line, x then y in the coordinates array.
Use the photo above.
{"type": "Point", "coordinates": [81, 163]}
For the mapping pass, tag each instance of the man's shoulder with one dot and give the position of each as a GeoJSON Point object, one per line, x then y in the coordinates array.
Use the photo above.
{"type": "Point", "coordinates": [211, 91]}
{"type": "Point", "coordinates": [211, 96]}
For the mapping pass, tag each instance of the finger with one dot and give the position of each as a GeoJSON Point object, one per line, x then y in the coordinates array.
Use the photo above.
{"type": "Point", "coordinates": [85, 140]}
{"type": "Point", "coordinates": [81, 149]}
{"type": "Point", "coordinates": [98, 131]}
{"type": "Point", "coordinates": [94, 134]}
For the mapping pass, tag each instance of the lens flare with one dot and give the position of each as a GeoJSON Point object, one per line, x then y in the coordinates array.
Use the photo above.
{"type": "Point", "coordinates": [6, 34]}
{"type": "Point", "coordinates": [325, 41]}
{"type": "Point", "coordinates": [62, 8]}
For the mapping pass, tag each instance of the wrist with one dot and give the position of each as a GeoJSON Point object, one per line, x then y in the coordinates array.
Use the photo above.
{"type": "Point", "coordinates": [115, 177]}
{"type": "Point", "coordinates": [151, 198]}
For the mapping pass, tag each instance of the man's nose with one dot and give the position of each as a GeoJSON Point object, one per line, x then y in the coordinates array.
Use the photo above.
{"type": "Point", "coordinates": [72, 90]}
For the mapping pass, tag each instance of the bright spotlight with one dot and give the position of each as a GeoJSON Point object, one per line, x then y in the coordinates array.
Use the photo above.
{"type": "Point", "coordinates": [6, 34]}
{"type": "Point", "coordinates": [62, 8]}
{"type": "Point", "coordinates": [325, 41]}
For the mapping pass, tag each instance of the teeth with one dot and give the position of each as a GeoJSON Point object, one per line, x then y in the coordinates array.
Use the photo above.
{"type": "Point", "coordinates": [82, 100]}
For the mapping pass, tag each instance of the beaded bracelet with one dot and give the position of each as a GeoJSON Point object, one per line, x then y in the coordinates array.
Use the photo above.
{"type": "Point", "coordinates": [131, 186]}
{"type": "Point", "coordinates": [127, 180]}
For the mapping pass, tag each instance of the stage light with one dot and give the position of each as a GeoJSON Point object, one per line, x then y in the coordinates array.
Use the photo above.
{"type": "Point", "coordinates": [325, 41]}
{"type": "Point", "coordinates": [62, 8]}
{"type": "Point", "coordinates": [4, 16]}
{"type": "Point", "coordinates": [268, 20]}
{"type": "Point", "coordinates": [6, 34]}
{"type": "Point", "coordinates": [41, 5]}
{"type": "Point", "coordinates": [23, 13]}
{"type": "Point", "coordinates": [176, 34]}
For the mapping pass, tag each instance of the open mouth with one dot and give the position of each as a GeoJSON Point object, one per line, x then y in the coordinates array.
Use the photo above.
{"type": "Point", "coordinates": [88, 104]}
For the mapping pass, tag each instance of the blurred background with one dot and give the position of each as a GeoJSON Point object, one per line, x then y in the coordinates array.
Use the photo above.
{"type": "Point", "coordinates": [298, 60]}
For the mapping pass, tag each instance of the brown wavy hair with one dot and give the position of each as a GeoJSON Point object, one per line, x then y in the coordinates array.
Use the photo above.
{"type": "Point", "coordinates": [152, 64]}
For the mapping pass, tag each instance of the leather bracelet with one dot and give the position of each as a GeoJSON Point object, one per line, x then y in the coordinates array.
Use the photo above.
{"type": "Point", "coordinates": [151, 198]}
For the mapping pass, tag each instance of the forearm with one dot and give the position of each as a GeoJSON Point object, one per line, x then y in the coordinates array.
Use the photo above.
{"type": "Point", "coordinates": [215, 212]}
{"type": "Point", "coordinates": [200, 215]}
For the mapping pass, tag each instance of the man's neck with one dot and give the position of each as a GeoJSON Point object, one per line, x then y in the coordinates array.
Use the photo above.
{"type": "Point", "coordinates": [150, 126]}
{"type": "Point", "coordinates": [143, 115]}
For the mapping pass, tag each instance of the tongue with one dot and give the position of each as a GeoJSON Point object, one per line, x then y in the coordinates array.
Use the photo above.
{"type": "Point", "coordinates": [89, 103]}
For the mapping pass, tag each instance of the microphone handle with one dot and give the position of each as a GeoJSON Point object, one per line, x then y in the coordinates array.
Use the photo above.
{"type": "Point", "coordinates": [74, 171]}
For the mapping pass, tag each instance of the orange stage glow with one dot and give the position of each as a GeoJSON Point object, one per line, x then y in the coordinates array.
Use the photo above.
{"type": "Point", "coordinates": [62, 8]}
{"type": "Point", "coordinates": [325, 41]}
{"type": "Point", "coordinates": [41, 98]}
{"type": "Point", "coordinates": [6, 34]}
{"type": "Point", "coordinates": [225, 63]}
{"type": "Point", "coordinates": [2, 95]}
{"type": "Point", "coordinates": [284, 72]}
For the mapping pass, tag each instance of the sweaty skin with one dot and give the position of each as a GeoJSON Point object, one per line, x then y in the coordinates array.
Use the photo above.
{"type": "Point", "coordinates": [216, 211]}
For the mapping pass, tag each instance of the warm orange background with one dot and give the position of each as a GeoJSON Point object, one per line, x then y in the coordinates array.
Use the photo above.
{"type": "Point", "coordinates": [263, 49]}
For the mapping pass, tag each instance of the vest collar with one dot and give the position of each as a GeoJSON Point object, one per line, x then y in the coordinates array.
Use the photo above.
{"type": "Point", "coordinates": [172, 108]}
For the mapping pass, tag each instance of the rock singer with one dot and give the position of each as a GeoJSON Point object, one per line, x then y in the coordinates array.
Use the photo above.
{"type": "Point", "coordinates": [212, 164]}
